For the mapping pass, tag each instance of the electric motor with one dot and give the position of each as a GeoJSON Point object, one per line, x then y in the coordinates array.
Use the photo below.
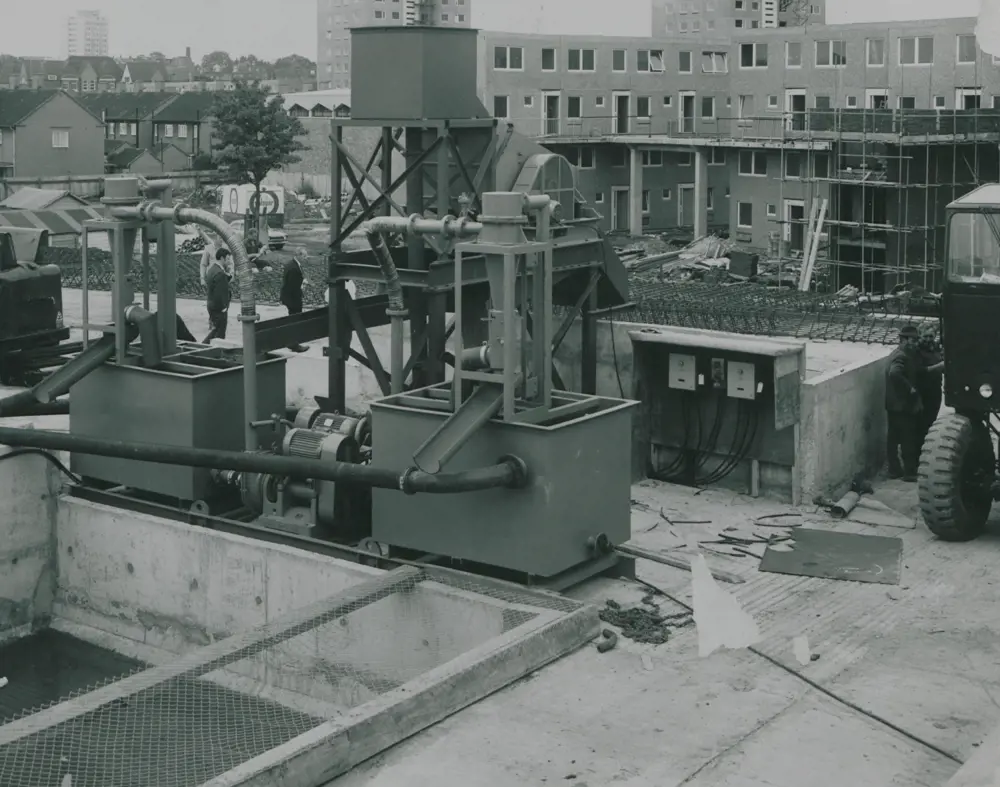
{"type": "Point", "coordinates": [314, 419]}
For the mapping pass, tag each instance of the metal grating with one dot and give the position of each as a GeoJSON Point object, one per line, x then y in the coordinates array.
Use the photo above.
{"type": "Point", "coordinates": [193, 719]}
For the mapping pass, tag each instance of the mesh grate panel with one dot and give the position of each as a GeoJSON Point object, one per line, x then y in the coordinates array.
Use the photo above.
{"type": "Point", "coordinates": [191, 719]}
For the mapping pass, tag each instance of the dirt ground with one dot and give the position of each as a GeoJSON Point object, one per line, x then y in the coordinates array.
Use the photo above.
{"type": "Point", "coordinates": [904, 689]}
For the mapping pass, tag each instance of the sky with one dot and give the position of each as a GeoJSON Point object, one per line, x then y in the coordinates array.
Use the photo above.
{"type": "Point", "coordinates": [272, 29]}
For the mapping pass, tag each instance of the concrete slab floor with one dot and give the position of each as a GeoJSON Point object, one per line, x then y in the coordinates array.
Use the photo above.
{"type": "Point", "coordinates": [916, 662]}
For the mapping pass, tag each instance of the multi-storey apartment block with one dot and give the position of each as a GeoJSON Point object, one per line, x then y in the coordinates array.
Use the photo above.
{"type": "Point", "coordinates": [747, 130]}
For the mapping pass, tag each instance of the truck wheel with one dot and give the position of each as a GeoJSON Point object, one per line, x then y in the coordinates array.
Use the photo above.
{"type": "Point", "coordinates": [956, 477]}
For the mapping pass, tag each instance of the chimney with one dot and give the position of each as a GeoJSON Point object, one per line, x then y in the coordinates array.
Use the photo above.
{"type": "Point", "coordinates": [187, 53]}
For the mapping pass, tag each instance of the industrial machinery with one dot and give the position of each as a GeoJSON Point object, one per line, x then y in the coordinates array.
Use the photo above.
{"type": "Point", "coordinates": [500, 468]}
{"type": "Point", "coordinates": [31, 312]}
{"type": "Point", "coordinates": [958, 465]}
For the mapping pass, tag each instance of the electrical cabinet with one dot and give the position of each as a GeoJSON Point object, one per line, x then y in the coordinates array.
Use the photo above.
{"type": "Point", "coordinates": [742, 384]}
{"type": "Point", "coordinates": [683, 372]}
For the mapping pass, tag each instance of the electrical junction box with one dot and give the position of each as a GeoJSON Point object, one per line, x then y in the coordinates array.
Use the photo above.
{"type": "Point", "coordinates": [741, 381]}
{"type": "Point", "coordinates": [718, 373]}
{"type": "Point", "coordinates": [683, 372]}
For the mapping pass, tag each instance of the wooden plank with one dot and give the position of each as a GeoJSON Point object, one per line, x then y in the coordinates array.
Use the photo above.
{"type": "Point", "coordinates": [332, 749]}
{"type": "Point", "coordinates": [216, 655]}
{"type": "Point", "coordinates": [982, 769]}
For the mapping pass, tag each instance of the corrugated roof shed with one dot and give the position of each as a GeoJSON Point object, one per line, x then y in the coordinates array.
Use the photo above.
{"type": "Point", "coordinates": [30, 198]}
{"type": "Point", "coordinates": [18, 105]}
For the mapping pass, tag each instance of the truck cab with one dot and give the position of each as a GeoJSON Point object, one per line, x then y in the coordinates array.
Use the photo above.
{"type": "Point", "coordinates": [958, 467]}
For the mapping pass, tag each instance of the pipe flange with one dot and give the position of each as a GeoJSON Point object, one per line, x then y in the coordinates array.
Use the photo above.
{"type": "Point", "coordinates": [412, 219]}
{"type": "Point", "coordinates": [178, 219]}
{"type": "Point", "coordinates": [518, 220]}
{"type": "Point", "coordinates": [397, 312]}
{"type": "Point", "coordinates": [521, 474]}
{"type": "Point", "coordinates": [405, 485]}
{"type": "Point", "coordinates": [248, 316]}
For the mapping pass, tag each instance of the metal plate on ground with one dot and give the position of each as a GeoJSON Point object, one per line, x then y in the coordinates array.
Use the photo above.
{"type": "Point", "coordinates": [827, 554]}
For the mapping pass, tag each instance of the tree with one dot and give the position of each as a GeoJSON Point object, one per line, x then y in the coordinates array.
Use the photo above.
{"type": "Point", "coordinates": [159, 57]}
{"type": "Point", "coordinates": [217, 61]}
{"type": "Point", "coordinates": [255, 134]}
{"type": "Point", "coordinates": [294, 66]}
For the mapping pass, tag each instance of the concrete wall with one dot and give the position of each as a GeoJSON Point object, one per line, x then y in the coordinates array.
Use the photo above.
{"type": "Point", "coordinates": [138, 582]}
{"type": "Point", "coordinates": [29, 490]}
{"type": "Point", "coordinates": [843, 427]}
{"type": "Point", "coordinates": [34, 155]}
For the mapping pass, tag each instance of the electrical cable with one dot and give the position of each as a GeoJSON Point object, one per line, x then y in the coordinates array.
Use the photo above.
{"type": "Point", "coordinates": [739, 455]}
{"type": "Point", "coordinates": [47, 456]}
{"type": "Point", "coordinates": [678, 461]}
{"type": "Point", "coordinates": [818, 687]}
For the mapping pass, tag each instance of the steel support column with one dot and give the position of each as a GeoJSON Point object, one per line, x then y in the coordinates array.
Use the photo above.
{"type": "Point", "coordinates": [336, 361]}
{"type": "Point", "coordinates": [417, 301]}
{"type": "Point", "coordinates": [588, 345]}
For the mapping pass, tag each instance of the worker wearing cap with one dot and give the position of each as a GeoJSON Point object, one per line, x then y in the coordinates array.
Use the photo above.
{"type": "Point", "coordinates": [904, 406]}
{"type": "Point", "coordinates": [219, 295]}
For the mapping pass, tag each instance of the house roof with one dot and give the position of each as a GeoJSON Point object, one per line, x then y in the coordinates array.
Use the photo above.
{"type": "Point", "coordinates": [30, 198]}
{"type": "Point", "coordinates": [123, 157]}
{"type": "Point", "coordinates": [180, 73]}
{"type": "Point", "coordinates": [105, 67]}
{"type": "Point", "coordinates": [128, 107]}
{"type": "Point", "coordinates": [37, 67]}
{"type": "Point", "coordinates": [188, 108]}
{"type": "Point", "coordinates": [111, 145]}
{"type": "Point", "coordinates": [145, 70]}
{"type": "Point", "coordinates": [16, 106]}
{"type": "Point", "coordinates": [162, 147]}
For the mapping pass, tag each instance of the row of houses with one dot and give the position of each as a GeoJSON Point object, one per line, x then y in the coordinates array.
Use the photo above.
{"type": "Point", "coordinates": [55, 133]}
{"type": "Point", "coordinates": [92, 74]}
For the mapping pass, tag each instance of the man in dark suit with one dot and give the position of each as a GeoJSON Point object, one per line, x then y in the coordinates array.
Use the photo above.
{"type": "Point", "coordinates": [904, 406]}
{"type": "Point", "coordinates": [292, 281]}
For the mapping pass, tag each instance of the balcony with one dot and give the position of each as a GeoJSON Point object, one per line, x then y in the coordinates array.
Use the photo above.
{"type": "Point", "coordinates": [778, 127]}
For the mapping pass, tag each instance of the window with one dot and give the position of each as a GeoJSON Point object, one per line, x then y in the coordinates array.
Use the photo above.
{"type": "Point", "coordinates": [973, 249]}
{"type": "Point", "coordinates": [744, 109]}
{"type": "Point", "coordinates": [710, 199]}
{"type": "Point", "coordinates": [461, 17]}
{"type": "Point", "coordinates": [772, 210]}
{"type": "Point", "coordinates": [642, 109]}
{"type": "Point", "coordinates": [753, 162]}
{"type": "Point", "coordinates": [715, 62]}
{"type": "Point", "coordinates": [772, 102]}
{"type": "Point", "coordinates": [716, 157]}
{"type": "Point", "coordinates": [652, 158]}
{"type": "Point", "coordinates": [907, 102]}
{"type": "Point", "coordinates": [996, 102]}
{"type": "Point", "coordinates": [966, 49]}
{"type": "Point", "coordinates": [916, 51]}
{"type": "Point", "coordinates": [707, 107]}
{"type": "Point", "coordinates": [395, 15]}
{"type": "Point", "coordinates": [618, 60]}
{"type": "Point", "coordinates": [581, 60]}
{"type": "Point", "coordinates": [548, 60]}
{"type": "Point", "coordinates": [753, 55]}
{"type": "Point", "coordinates": [645, 200]}
{"type": "Point", "coordinates": [821, 165]}
{"type": "Point", "coordinates": [444, 17]}
{"type": "Point", "coordinates": [60, 137]}
{"type": "Point", "coordinates": [744, 215]}
{"type": "Point", "coordinates": [529, 101]}
{"type": "Point", "coordinates": [182, 131]}
{"type": "Point", "coordinates": [875, 49]}
{"type": "Point", "coordinates": [793, 54]}
{"type": "Point", "coordinates": [586, 158]}
{"type": "Point", "coordinates": [831, 54]}
{"type": "Point", "coordinates": [793, 164]}
{"type": "Point", "coordinates": [380, 14]}
{"type": "Point", "coordinates": [649, 61]}
{"type": "Point", "coordinates": [738, 23]}
{"type": "Point", "coordinates": [574, 107]}
{"type": "Point", "coordinates": [599, 198]}
{"type": "Point", "coordinates": [168, 130]}
{"type": "Point", "coordinates": [122, 129]}
{"type": "Point", "coordinates": [685, 158]}
{"type": "Point", "coordinates": [668, 101]}
{"type": "Point", "coordinates": [852, 102]}
{"type": "Point", "coordinates": [684, 62]}
{"type": "Point", "coordinates": [823, 102]}
{"type": "Point", "coordinates": [939, 102]}
{"type": "Point", "coordinates": [738, 5]}
{"type": "Point", "coordinates": [667, 194]}
{"type": "Point", "coordinates": [508, 58]}
{"type": "Point", "coordinates": [599, 101]}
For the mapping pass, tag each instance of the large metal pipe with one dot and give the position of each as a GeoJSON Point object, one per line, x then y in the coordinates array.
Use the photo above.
{"type": "Point", "coordinates": [449, 226]}
{"type": "Point", "coordinates": [397, 307]}
{"type": "Point", "coordinates": [509, 472]}
{"type": "Point", "coordinates": [151, 211]}
{"type": "Point", "coordinates": [34, 408]}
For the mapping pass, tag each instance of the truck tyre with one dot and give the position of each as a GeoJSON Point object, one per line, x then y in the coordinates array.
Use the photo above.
{"type": "Point", "coordinates": [956, 477]}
